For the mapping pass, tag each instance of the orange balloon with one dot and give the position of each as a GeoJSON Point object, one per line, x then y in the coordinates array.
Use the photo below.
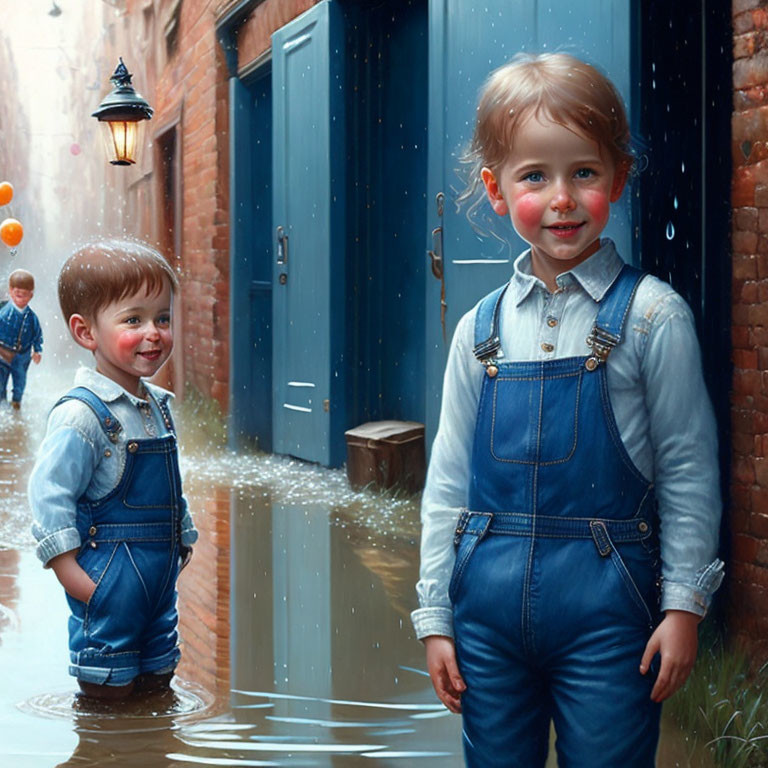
{"type": "Point", "coordinates": [6, 192]}
{"type": "Point", "coordinates": [11, 232]}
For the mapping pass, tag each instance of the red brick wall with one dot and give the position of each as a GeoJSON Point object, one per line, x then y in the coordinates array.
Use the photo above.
{"type": "Point", "coordinates": [253, 37]}
{"type": "Point", "coordinates": [748, 605]}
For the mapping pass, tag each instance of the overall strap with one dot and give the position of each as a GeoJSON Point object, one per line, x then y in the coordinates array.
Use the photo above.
{"type": "Point", "coordinates": [487, 342]}
{"type": "Point", "coordinates": [165, 411]}
{"type": "Point", "coordinates": [614, 307]}
{"type": "Point", "coordinates": [108, 422]}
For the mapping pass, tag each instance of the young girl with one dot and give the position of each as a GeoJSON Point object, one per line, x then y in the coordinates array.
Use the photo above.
{"type": "Point", "coordinates": [571, 511]}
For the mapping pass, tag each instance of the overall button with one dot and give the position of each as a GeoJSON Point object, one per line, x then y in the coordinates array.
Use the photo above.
{"type": "Point", "coordinates": [547, 347]}
{"type": "Point", "coordinates": [92, 530]}
{"type": "Point", "coordinates": [94, 545]}
{"type": "Point", "coordinates": [107, 453]}
{"type": "Point", "coordinates": [642, 526]}
{"type": "Point", "coordinates": [551, 322]}
{"type": "Point", "coordinates": [133, 447]}
{"type": "Point", "coordinates": [107, 422]}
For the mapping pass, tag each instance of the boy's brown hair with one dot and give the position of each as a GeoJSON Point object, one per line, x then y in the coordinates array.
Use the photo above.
{"type": "Point", "coordinates": [105, 271]}
{"type": "Point", "coordinates": [20, 278]}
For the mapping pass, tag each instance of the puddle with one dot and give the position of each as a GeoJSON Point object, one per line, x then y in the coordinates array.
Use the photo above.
{"type": "Point", "coordinates": [297, 647]}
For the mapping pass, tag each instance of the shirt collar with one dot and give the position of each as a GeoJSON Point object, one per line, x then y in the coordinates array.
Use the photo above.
{"type": "Point", "coordinates": [18, 308]}
{"type": "Point", "coordinates": [595, 275]}
{"type": "Point", "coordinates": [109, 390]}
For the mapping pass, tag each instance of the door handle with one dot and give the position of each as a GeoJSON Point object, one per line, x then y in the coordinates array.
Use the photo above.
{"type": "Point", "coordinates": [436, 254]}
{"type": "Point", "coordinates": [282, 246]}
{"type": "Point", "coordinates": [436, 258]}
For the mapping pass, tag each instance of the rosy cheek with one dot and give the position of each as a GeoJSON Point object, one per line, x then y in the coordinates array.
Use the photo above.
{"type": "Point", "coordinates": [527, 210]}
{"type": "Point", "coordinates": [597, 205]}
{"type": "Point", "coordinates": [127, 341]}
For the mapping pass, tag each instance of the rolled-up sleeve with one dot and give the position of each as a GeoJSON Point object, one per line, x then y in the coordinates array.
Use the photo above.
{"type": "Point", "coordinates": [684, 438]}
{"type": "Point", "coordinates": [445, 492]}
{"type": "Point", "coordinates": [64, 467]}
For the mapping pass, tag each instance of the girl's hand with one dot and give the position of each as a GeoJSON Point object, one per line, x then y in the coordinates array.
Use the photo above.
{"type": "Point", "coordinates": [676, 639]}
{"type": "Point", "coordinates": [444, 672]}
{"type": "Point", "coordinates": [73, 578]}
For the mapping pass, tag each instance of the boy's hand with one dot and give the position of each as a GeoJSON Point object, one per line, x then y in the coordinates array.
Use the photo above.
{"type": "Point", "coordinates": [676, 639]}
{"type": "Point", "coordinates": [444, 672]}
{"type": "Point", "coordinates": [36, 357]}
{"type": "Point", "coordinates": [186, 556]}
{"type": "Point", "coordinates": [73, 578]}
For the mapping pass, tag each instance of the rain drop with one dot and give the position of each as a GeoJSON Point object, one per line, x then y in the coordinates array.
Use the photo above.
{"type": "Point", "coordinates": [674, 202]}
{"type": "Point", "coordinates": [670, 230]}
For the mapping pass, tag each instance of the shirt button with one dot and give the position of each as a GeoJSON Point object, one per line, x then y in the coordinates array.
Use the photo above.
{"type": "Point", "coordinates": [93, 545]}
{"type": "Point", "coordinates": [107, 453]}
{"type": "Point", "coordinates": [551, 322]}
{"type": "Point", "coordinates": [92, 530]}
{"type": "Point", "coordinates": [547, 347]}
{"type": "Point", "coordinates": [133, 447]}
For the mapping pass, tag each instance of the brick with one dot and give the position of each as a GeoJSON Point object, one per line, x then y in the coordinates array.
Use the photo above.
{"type": "Point", "coordinates": [744, 548]}
{"type": "Point", "coordinates": [743, 45]}
{"type": "Point", "coordinates": [742, 23]}
{"type": "Point", "coordinates": [740, 336]}
{"type": "Point", "coordinates": [741, 504]}
{"type": "Point", "coordinates": [744, 261]}
{"type": "Point", "coordinates": [749, 292]}
{"type": "Point", "coordinates": [761, 471]}
{"type": "Point", "coordinates": [742, 443]}
{"type": "Point", "coordinates": [746, 381]}
{"type": "Point", "coordinates": [759, 504]}
{"type": "Point", "coordinates": [757, 335]}
{"type": "Point", "coordinates": [744, 471]}
{"type": "Point", "coordinates": [746, 219]}
{"type": "Point", "coordinates": [759, 18]}
{"type": "Point", "coordinates": [739, 6]}
{"type": "Point", "coordinates": [745, 359]}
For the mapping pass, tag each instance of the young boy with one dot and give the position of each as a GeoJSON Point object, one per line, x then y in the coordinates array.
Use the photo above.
{"type": "Point", "coordinates": [572, 507]}
{"type": "Point", "coordinates": [21, 338]}
{"type": "Point", "coordinates": [109, 514]}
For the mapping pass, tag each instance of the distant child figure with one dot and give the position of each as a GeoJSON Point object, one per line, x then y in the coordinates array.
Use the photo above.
{"type": "Point", "coordinates": [109, 514]}
{"type": "Point", "coordinates": [570, 517]}
{"type": "Point", "coordinates": [21, 338]}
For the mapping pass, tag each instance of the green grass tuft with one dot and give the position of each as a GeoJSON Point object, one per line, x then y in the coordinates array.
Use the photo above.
{"type": "Point", "coordinates": [724, 707]}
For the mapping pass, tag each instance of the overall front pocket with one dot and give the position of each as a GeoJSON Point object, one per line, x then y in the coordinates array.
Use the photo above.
{"type": "Point", "coordinates": [467, 545]}
{"type": "Point", "coordinates": [637, 571]}
{"type": "Point", "coordinates": [536, 419]}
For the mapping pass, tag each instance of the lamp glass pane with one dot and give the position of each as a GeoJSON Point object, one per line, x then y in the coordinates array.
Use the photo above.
{"type": "Point", "coordinates": [123, 140]}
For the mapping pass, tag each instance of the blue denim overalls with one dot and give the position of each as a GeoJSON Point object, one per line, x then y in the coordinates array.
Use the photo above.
{"type": "Point", "coordinates": [555, 586]}
{"type": "Point", "coordinates": [131, 551]}
{"type": "Point", "coordinates": [17, 369]}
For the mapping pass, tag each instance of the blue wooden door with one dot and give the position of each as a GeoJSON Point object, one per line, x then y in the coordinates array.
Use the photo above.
{"type": "Point", "coordinates": [467, 41]}
{"type": "Point", "coordinates": [308, 236]}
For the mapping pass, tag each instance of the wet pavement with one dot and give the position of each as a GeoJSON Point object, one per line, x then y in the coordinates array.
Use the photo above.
{"type": "Point", "coordinates": [297, 647]}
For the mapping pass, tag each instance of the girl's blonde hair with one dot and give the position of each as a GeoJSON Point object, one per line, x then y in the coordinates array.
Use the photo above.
{"type": "Point", "coordinates": [557, 86]}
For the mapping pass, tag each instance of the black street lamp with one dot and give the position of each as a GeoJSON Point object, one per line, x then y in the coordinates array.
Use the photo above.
{"type": "Point", "coordinates": [121, 116]}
